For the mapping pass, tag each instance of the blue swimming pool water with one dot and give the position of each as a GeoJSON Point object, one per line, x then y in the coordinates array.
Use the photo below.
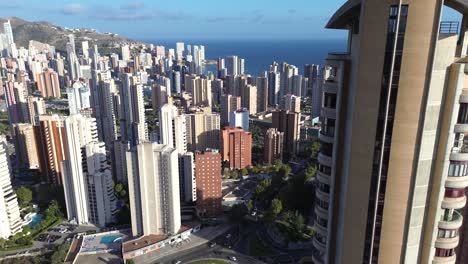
{"type": "Point", "coordinates": [36, 219]}
{"type": "Point", "coordinates": [109, 239]}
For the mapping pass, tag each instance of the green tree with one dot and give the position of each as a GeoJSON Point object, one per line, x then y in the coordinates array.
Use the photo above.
{"type": "Point", "coordinates": [24, 195]}
{"type": "Point", "coordinates": [249, 205]}
{"type": "Point", "coordinates": [298, 222]}
{"type": "Point", "coordinates": [53, 211]}
{"type": "Point", "coordinates": [244, 172]}
{"type": "Point", "coordinates": [60, 252]}
{"type": "Point", "coordinates": [3, 243]}
{"type": "Point", "coordinates": [310, 172]}
{"type": "Point", "coordinates": [284, 171]}
{"type": "Point", "coordinates": [234, 174]}
{"type": "Point", "coordinates": [276, 206]}
{"type": "Point", "coordinates": [226, 173]}
{"type": "Point", "coordinates": [315, 148]}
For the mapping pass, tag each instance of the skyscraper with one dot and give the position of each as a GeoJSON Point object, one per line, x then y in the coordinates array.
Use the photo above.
{"type": "Point", "coordinates": [25, 145]}
{"type": "Point", "coordinates": [48, 83]}
{"type": "Point", "coordinates": [274, 80]}
{"type": "Point", "coordinates": [10, 220]}
{"type": "Point", "coordinates": [288, 123]}
{"type": "Point", "coordinates": [79, 131]}
{"type": "Point", "coordinates": [187, 181]}
{"type": "Point", "coordinates": [262, 94]}
{"type": "Point", "coordinates": [249, 98]}
{"type": "Point", "coordinates": [133, 127]}
{"type": "Point", "coordinates": [8, 32]}
{"type": "Point", "coordinates": [153, 182]}
{"type": "Point", "coordinates": [208, 177]}
{"type": "Point", "coordinates": [229, 103]}
{"type": "Point", "coordinates": [172, 128]}
{"type": "Point", "coordinates": [78, 97]}
{"type": "Point", "coordinates": [125, 49]}
{"type": "Point", "coordinates": [291, 102]}
{"type": "Point", "coordinates": [239, 118]}
{"type": "Point", "coordinates": [16, 102]}
{"type": "Point", "coordinates": [273, 146]}
{"type": "Point", "coordinates": [234, 65]}
{"type": "Point", "coordinates": [236, 147]}
{"type": "Point", "coordinates": [392, 163]}
{"type": "Point", "coordinates": [52, 147]}
{"type": "Point", "coordinates": [200, 88]}
{"type": "Point", "coordinates": [202, 131]}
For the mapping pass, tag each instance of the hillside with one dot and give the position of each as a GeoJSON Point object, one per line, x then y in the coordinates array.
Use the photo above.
{"type": "Point", "coordinates": [24, 31]}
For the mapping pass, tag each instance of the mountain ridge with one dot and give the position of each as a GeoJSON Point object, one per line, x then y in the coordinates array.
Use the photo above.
{"type": "Point", "coordinates": [57, 36]}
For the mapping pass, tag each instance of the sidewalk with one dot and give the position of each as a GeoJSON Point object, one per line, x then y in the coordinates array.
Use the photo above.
{"type": "Point", "coordinates": [196, 239]}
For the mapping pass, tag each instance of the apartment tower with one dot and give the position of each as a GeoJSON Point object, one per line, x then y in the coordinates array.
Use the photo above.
{"type": "Point", "coordinates": [392, 166]}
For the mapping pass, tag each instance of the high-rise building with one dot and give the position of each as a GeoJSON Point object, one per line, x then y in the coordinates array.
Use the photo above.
{"type": "Point", "coordinates": [274, 81]}
{"type": "Point", "coordinates": [8, 32]}
{"type": "Point", "coordinates": [234, 65]}
{"type": "Point", "coordinates": [78, 97]}
{"type": "Point", "coordinates": [273, 146]}
{"type": "Point", "coordinates": [36, 107]}
{"type": "Point", "coordinates": [133, 127]}
{"type": "Point", "coordinates": [249, 98]}
{"type": "Point", "coordinates": [229, 103]}
{"type": "Point", "coordinates": [208, 177]}
{"type": "Point", "coordinates": [200, 88]}
{"type": "Point", "coordinates": [239, 118]}
{"type": "Point", "coordinates": [25, 145]}
{"type": "Point", "coordinates": [180, 47]}
{"type": "Point", "coordinates": [262, 93]}
{"type": "Point", "coordinates": [85, 48]}
{"type": "Point", "coordinates": [10, 220]}
{"type": "Point", "coordinates": [160, 96]}
{"type": "Point", "coordinates": [311, 72]}
{"type": "Point", "coordinates": [288, 123]}
{"type": "Point", "coordinates": [202, 131]}
{"type": "Point", "coordinates": [15, 95]}
{"type": "Point", "coordinates": [153, 183]}
{"type": "Point", "coordinates": [291, 103]}
{"type": "Point", "coordinates": [52, 147]}
{"type": "Point", "coordinates": [236, 147]}
{"type": "Point", "coordinates": [48, 83]}
{"type": "Point", "coordinates": [102, 202]}
{"type": "Point", "coordinates": [392, 165]}
{"type": "Point", "coordinates": [172, 128]}
{"type": "Point", "coordinates": [187, 181]}
{"type": "Point", "coordinates": [125, 49]}
{"type": "Point", "coordinates": [106, 108]}
{"type": "Point", "coordinates": [79, 132]}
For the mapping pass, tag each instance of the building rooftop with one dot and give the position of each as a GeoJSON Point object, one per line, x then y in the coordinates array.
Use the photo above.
{"type": "Point", "coordinates": [148, 240]}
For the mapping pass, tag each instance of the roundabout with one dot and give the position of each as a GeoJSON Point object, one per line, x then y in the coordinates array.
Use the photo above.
{"type": "Point", "coordinates": [210, 261]}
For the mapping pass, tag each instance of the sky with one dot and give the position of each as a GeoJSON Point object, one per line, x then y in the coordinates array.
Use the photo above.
{"type": "Point", "coordinates": [187, 19]}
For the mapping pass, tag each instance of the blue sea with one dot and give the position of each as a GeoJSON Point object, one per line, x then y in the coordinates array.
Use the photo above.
{"type": "Point", "coordinates": [259, 54]}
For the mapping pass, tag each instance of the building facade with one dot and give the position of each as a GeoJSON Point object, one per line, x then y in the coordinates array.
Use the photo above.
{"type": "Point", "coordinates": [208, 178]}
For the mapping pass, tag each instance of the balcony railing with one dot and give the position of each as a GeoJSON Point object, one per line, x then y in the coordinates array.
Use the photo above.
{"type": "Point", "coordinates": [449, 27]}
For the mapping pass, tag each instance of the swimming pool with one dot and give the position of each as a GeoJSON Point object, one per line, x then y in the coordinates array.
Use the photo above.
{"type": "Point", "coordinates": [109, 239]}
{"type": "Point", "coordinates": [35, 220]}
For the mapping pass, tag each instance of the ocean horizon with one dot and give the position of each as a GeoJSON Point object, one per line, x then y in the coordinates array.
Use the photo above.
{"type": "Point", "coordinates": [259, 54]}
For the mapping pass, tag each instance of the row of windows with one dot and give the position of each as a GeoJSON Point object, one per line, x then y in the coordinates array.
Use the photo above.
{"type": "Point", "coordinates": [458, 169]}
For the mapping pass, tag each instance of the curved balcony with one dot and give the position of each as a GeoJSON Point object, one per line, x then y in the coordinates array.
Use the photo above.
{"type": "Point", "coordinates": [452, 224]}
{"type": "Point", "coordinates": [458, 156]}
{"type": "Point", "coordinates": [328, 112]}
{"type": "Point", "coordinates": [322, 195]}
{"type": "Point", "coordinates": [445, 260]}
{"type": "Point", "coordinates": [322, 213]}
{"type": "Point", "coordinates": [461, 128]}
{"type": "Point", "coordinates": [454, 203]}
{"type": "Point", "coordinates": [321, 229]}
{"type": "Point", "coordinates": [323, 178]}
{"type": "Point", "coordinates": [330, 87]}
{"type": "Point", "coordinates": [318, 245]}
{"type": "Point", "coordinates": [447, 243]}
{"type": "Point", "coordinates": [456, 182]}
{"type": "Point", "coordinates": [326, 138]}
{"type": "Point", "coordinates": [325, 160]}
